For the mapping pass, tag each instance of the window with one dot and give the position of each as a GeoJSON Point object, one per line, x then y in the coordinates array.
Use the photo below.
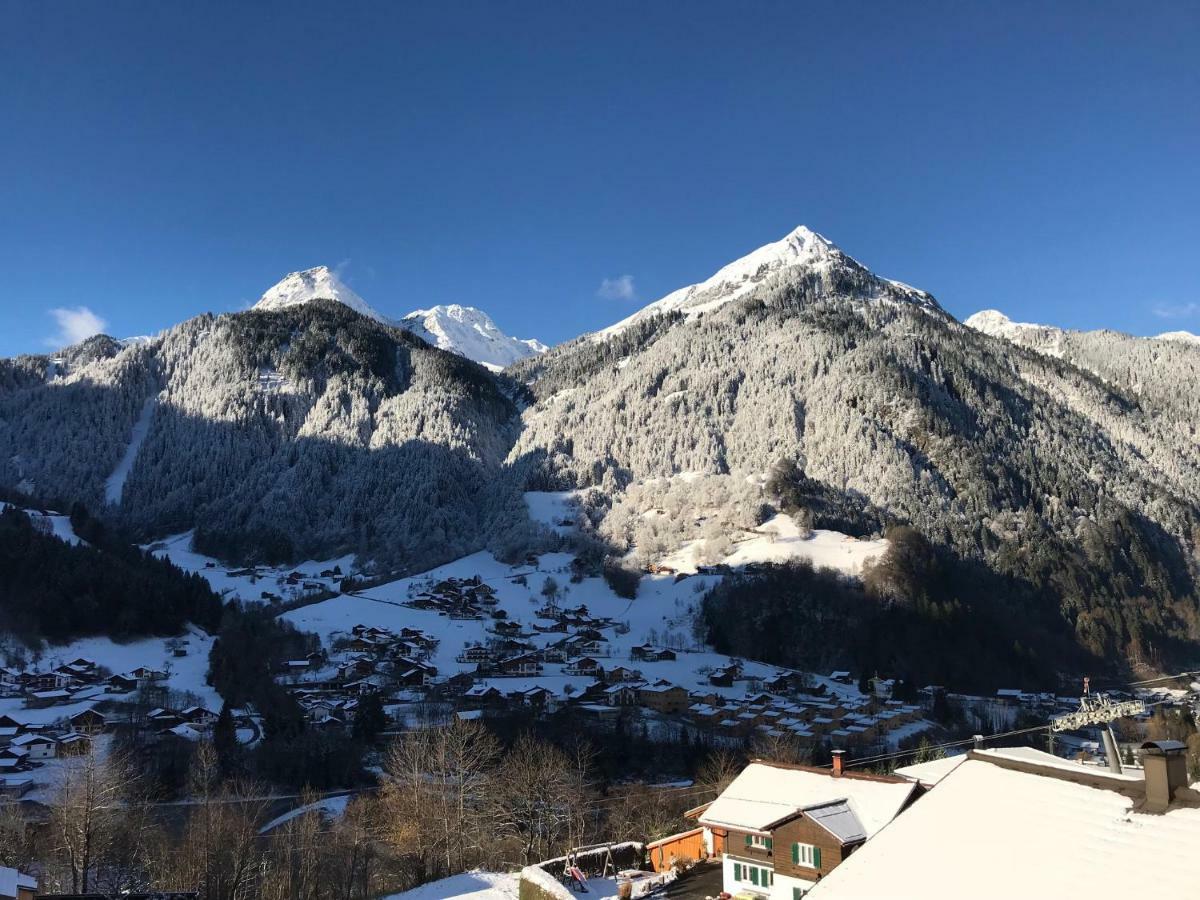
{"type": "Point", "coordinates": [806, 855]}
{"type": "Point", "coordinates": [757, 840]}
{"type": "Point", "coordinates": [757, 876]}
{"type": "Point", "coordinates": [798, 893]}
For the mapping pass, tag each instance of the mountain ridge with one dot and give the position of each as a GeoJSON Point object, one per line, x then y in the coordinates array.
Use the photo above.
{"type": "Point", "coordinates": [464, 330]}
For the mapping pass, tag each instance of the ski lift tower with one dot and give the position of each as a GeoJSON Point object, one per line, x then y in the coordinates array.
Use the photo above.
{"type": "Point", "coordinates": [1100, 710]}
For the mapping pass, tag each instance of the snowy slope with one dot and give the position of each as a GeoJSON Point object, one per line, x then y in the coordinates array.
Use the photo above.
{"type": "Point", "coordinates": [780, 540]}
{"type": "Point", "coordinates": [313, 284]}
{"type": "Point", "coordinates": [467, 886]}
{"type": "Point", "coordinates": [1049, 338]}
{"type": "Point", "coordinates": [469, 332]}
{"type": "Point", "coordinates": [116, 481]}
{"type": "Point", "coordinates": [1044, 338]}
{"type": "Point", "coordinates": [801, 249]}
{"type": "Point", "coordinates": [1183, 337]}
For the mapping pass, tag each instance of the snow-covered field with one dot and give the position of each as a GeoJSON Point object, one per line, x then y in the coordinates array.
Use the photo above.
{"type": "Point", "coordinates": [780, 539]}
{"type": "Point", "coordinates": [468, 886]}
{"type": "Point", "coordinates": [661, 614]}
{"type": "Point", "coordinates": [248, 584]}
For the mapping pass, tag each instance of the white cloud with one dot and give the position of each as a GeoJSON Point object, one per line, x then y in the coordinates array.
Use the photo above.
{"type": "Point", "coordinates": [1181, 311]}
{"type": "Point", "coordinates": [74, 325]}
{"type": "Point", "coordinates": [619, 288]}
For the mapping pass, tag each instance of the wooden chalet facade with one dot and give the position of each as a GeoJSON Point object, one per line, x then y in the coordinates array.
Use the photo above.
{"type": "Point", "coordinates": [780, 829]}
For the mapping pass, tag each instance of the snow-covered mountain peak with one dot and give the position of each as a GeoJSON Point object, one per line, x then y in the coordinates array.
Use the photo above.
{"type": "Point", "coordinates": [801, 248]}
{"type": "Point", "coordinates": [1044, 338]}
{"type": "Point", "coordinates": [1182, 337]}
{"type": "Point", "coordinates": [469, 332]}
{"type": "Point", "coordinates": [317, 283]}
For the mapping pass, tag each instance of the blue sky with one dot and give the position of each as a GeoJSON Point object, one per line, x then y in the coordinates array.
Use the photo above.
{"type": "Point", "coordinates": [164, 159]}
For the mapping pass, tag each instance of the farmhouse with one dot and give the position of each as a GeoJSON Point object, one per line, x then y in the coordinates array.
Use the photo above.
{"type": "Point", "coordinates": [780, 828]}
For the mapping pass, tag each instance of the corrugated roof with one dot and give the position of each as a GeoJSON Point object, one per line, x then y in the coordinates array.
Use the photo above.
{"type": "Point", "coordinates": [839, 820]}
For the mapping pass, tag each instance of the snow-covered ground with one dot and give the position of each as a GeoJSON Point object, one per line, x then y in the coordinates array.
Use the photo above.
{"type": "Point", "coordinates": [467, 886]}
{"type": "Point", "coordinates": [185, 673]}
{"type": "Point", "coordinates": [115, 483]}
{"type": "Point", "coordinates": [53, 522]}
{"type": "Point", "coordinates": [554, 509]}
{"type": "Point", "coordinates": [662, 614]}
{"type": "Point", "coordinates": [329, 808]}
{"type": "Point", "coordinates": [780, 539]}
{"type": "Point", "coordinates": [249, 584]}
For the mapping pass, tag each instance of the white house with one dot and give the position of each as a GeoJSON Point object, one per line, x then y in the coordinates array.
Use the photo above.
{"type": "Point", "coordinates": [39, 746]}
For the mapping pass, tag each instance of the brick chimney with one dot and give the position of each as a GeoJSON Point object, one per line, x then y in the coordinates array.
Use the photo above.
{"type": "Point", "coordinates": [837, 763]}
{"type": "Point", "coordinates": [1165, 764]}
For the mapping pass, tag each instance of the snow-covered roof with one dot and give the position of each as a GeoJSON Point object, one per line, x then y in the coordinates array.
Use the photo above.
{"type": "Point", "coordinates": [11, 881]}
{"type": "Point", "coordinates": [992, 832]}
{"type": "Point", "coordinates": [931, 772]}
{"type": "Point", "coordinates": [764, 794]}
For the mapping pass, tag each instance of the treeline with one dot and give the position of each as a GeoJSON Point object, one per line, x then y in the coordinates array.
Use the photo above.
{"type": "Point", "coordinates": [920, 614]}
{"type": "Point", "coordinates": [453, 797]}
{"type": "Point", "coordinates": [53, 590]}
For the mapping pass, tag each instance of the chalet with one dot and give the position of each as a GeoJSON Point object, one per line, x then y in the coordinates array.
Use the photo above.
{"type": "Point", "coordinates": [320, 710]}
{"type": "Point", "coordinates": [122, 683]}
{"type": "Point", "coordinates": [621, 695]}
{"type": "Point", "coordinates": [483, 694]}
{"type": "Point", "coordinates": [585, 665]}
{"type": "Point", "coordinates": [537, 697]}
{"type": "Point", "coordinates": [74, 744]}
{"type": "Point", "coordinates": [723, 677]}
{"type": "Point", "coordinates": [990, 809]}
{"type": "Point", "coordinates": [781, 828]}
{"type": "Point", "coordinates": [459, 682]}
{"type": "Point", "coordinates": [477, 654]}
{"type": "Point", "coordinates": [508, 628]}
{"type": "Point", "coordinates": [354, 669]}
{"type": "Point", "coordinates": [41, 682]}
{"type": "Point", "coordinates": [663, 696]}
{"type": "Point", "coordinates": [882, 687]}
{"type": "Point", "coordinates": [555, 655]}
{"type": "Point", "coordinates": [648, 653]}
{"type": "Point", "coordinates": [621, 673]}
{"type": "Point", "coordinates": [199, 717]}
{"type": "Point", "coordinates": [841, 677]}
{"type": "Point", "coordinates": [364, 643]}
{"type": "Point", "coordinates": [524, 664]}
{"type": "Point", "coordinates": [555, 628]}
{"type": "Point", "coordinates": [16, 885]}
{"type": "Point", "coordinates": [38, 746]}
{"type": "Point", "coordinates": [579, 645]}
{"type": "Point", "coordinates": [17, 757]}
{"type": "Point", "coordinates": [411, 676]}
{"type": "Point", "coordinates": [146, 675]}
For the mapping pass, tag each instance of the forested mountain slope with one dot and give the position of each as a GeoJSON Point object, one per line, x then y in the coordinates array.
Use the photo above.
{"type": "Point", "coordinates": [1086, 490]}
{"type": "Point", "coordinates": [277, 435]}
